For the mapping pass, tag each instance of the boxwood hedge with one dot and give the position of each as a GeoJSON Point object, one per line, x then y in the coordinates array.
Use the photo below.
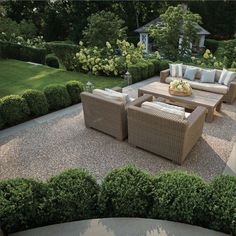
{"type": "Point", "coordinates": [220, 204]}
{"type": "Point", "coordinates": [23, 204]}
{"type": "Point", "coordinates": [14, 109]}
{"type": "Point", "coordinates": [36, 101]}
{"type": "Point", "coordinates": [126, 192]}
{"type": "Point", "coordinates": [57, 97]}
{"type": "Point", "coordinates": [177, 197]}
{"type": "Point", "coordinates": [74, 89]}
{"type": "Point", "coordinates": [75, 196]}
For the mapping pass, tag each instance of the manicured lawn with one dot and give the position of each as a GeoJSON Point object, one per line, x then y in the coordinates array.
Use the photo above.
{"type": "Point", "coordinates": [16, 76]}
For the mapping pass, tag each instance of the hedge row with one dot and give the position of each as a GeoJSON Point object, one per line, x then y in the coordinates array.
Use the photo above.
{"type": "Point", "coordinates": [15, 109]}
{"type": "Point", "coordinates": [146, 69]}
{"type": "Point", "coordinates": [125, 192]}
{"type": "Point", "coordinates": [65, 53]}
{"type": "Point", "coordinates": [23, 53]}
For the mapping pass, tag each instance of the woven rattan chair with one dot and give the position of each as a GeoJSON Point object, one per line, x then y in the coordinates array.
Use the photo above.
{"type": "Point", "coordinates": [108, 116]}
{"type": "Point", "coordinates": [164, 135]}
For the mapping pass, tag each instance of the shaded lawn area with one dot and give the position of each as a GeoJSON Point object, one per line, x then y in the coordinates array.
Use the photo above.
{"type": "Point", "coordinates": [17, 76]}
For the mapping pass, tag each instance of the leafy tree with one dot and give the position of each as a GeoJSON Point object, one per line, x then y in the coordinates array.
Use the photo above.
{"type": "Point", "coordinates": [103, 27]}
{"type": "Point", "coordinates": [176, 32]}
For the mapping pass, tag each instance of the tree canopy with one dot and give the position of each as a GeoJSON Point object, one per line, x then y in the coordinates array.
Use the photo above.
{"type": "Point", "coordinates": [102, 27]}
{"type": "Point", "coordinates": [176, 32]}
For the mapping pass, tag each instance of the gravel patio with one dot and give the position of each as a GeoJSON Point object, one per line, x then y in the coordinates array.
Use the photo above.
{"type": "Point", "coordinates": [48, 145]}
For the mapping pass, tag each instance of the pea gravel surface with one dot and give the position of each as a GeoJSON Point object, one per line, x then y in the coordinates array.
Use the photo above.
{"type": "Point", "coordinates": [59, 142]}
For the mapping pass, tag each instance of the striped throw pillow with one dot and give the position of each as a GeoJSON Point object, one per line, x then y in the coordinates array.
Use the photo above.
{"type": "Point", "coordinates": [227, 77]}
{"type": "Point", "coordinates": [176, 70]}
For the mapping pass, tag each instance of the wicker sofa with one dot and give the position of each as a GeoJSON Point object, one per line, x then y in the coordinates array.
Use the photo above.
{"type": "Point", "coordinates": [162, 134]}
{"type": "Point", "coordinates": [229, 92]}
{"type": "Point", "coordinates": [108, 116]}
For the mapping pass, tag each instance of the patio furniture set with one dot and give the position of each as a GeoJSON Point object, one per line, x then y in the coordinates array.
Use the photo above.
{"type": "Point", "coordinates": [149, 121]}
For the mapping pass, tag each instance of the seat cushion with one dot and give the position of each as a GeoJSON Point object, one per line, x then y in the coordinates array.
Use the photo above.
{"type": "Point", "coordinates": [125, 95]}
{"type": "Point", "coordinates": [109, 96]}
{"type": "Point", "coordinates": [209, 87]}
{"type": "Point", "coordinates": [178, 114]}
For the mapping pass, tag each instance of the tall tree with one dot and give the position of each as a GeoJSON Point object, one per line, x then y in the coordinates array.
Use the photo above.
{"type": "Point", "coordinates": [102, 27]}
{"type": "Point", "coordinates": [176, 32]}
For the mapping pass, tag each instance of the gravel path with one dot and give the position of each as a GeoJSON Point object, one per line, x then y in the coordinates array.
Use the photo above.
{"type": "Point", "coordinates": [45, 149]}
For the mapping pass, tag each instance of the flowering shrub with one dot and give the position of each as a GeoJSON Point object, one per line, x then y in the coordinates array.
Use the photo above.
{"type": "Point", "coordinates": [207, 60]}
{"type": "Point", "coordinates": [108, 60]}
{"type": "Point", "coordinates": [37, 42]}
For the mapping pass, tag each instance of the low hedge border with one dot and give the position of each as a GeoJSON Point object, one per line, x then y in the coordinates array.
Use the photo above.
{"type": "Point", "coordinates": [128, 191]}
{"type": "Point", "coordinates": [15, 109]}
{"type": "Point", "coordinates": [23, 53]}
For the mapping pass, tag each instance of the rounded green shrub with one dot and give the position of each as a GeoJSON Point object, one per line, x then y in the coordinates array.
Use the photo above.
{"type": "Point", "coordinates": [220, 204]}
{"type": "Point", "coordinates": [36, 101]}
{"type": "Point", "coordinates": [177, 197]}
{"type": "Point", "coordinates": [57, 97]}
{"type": "Point", "coordinates": [74, 89]}
{"type": "Point", "coordinates": [14, 109]}
{"type": "Point", "coordinates": [52, 61]}
{"type": "Point", "coordinates": [74, 196]}
{"type": "Point", "coordinates": [22, 204]}
{"type": "Point", "coordinates": [126, 192]}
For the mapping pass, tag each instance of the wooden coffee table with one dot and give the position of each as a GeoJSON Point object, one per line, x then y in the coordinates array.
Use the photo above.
{"type": "Point", "coordinates": [211, 101]}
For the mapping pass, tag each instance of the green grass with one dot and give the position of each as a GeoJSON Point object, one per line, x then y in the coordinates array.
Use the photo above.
{"type": "Point", "coordinates": [17, 76]}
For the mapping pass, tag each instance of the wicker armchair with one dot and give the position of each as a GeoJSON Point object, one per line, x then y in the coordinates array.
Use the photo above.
{"type": "Point", "coordinates": [108, 116]}
{"type": "Point", "coordinates": [163, 135]}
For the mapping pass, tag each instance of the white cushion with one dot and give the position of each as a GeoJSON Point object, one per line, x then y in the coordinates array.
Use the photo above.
{"type": "Point", "coordinates": [109, 95]}
{"type": "Point", "coordinates": [227, 77]}
{"type": "Point", "coordinates": [176, 70]}
{"type": "Point", "coordinates": [169, 105]}
{"type": "Point", "coordinates": [126, 96]}
{"type": "Point", "coordinates": [214, 87]}
{"type": "Point", "coordinates": [155, 106]}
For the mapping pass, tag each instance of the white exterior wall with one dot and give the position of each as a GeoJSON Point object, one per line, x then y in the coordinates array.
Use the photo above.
{"type": "Point", "coordinates": [143, 38]}
{"type": "Point", "coordinates": [201, 41]}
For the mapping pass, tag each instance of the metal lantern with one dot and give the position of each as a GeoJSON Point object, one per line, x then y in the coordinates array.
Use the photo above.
{"type": "Point", "coordinates": [89, 87]}
{"type": "Point", "coordinates": [128, 78]}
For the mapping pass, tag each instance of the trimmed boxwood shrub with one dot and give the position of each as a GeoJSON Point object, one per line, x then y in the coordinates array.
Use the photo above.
{"type": "Point", "coordinates": [2, 122]}
{"type": "Point", "coordinates": [135, 72]}
{"type": "Point", "coordinates": [22, 204]}
{"type": "Point", "coordinates": [14, 109]}
{"type": "Point", "coordinates": [177, 197]}
{"type": "Point", "coordinates": [74, 89]}
{"type": "Point", "coordinates": [144, 70]}
{"type": "Point", "coordinates": [52, 61]}
{"type": "Point", "coordinates": [220, 204]}
{"type": "Point", "coordinates": [151, 68]}
{"type": "Point", "coordinates": [36, 101]}
{"type": "Point", "coordinates": [57, 97]}
{"type": "Point", "coordinates": [24, 53]}
{"type": "Point", "coordinates": [126, 192]}
{"type": "Point", "coordinates": [65, 53]}
{"type": "Point", "coordinates": [75, 194]}
{"type": "Point", "coordinates": [164, 64]}
{"type": "Point", "coordinates": [156, 64]}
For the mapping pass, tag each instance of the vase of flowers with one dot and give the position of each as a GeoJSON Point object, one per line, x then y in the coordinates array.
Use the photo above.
{"type": "Point", "coordinates": [179, 87]}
